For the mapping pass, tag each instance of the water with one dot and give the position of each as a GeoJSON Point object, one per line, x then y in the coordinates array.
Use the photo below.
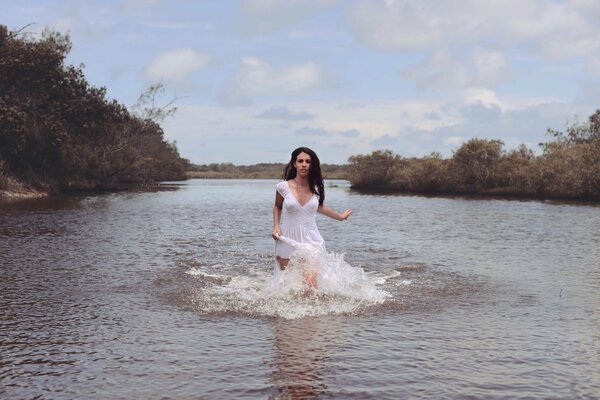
{"type": "Point", "coordinates": [164, 295]}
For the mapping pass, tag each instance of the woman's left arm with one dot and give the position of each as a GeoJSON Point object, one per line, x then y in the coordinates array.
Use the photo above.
{"type": "Point", "coordinates": [332, 214]}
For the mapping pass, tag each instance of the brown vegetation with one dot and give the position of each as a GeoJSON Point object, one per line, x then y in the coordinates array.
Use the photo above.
{"type": "Point", "coordinates": [257, 171]}
{"type": "Point", "coordinates": [568, 168]}
{"type": "Point", "coordinates": [59, 133]}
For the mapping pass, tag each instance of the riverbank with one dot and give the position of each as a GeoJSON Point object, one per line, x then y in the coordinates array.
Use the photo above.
{"type": "Point", "coordinates": [46, 148]}
{"type": "Point", "coordinates": [16, 190]}
{"type": "Point", "coordinates": [483, 195]}
{"type": "Point", "coordinates": [567, 169]}
{"type": "Point", "coordinates": [256, 171]}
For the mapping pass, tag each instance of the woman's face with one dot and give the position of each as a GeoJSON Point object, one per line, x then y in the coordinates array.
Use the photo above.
{"type": "Point", "coordinates": [302, 164]}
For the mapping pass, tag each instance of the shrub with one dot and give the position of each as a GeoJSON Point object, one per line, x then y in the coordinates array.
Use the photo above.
{"type": "Point", "coordinates": [568, 168]}
{"type": "Point", "coordinates": [3, 177]}
{"type": "Point", "coordinates": [476, 163]}
{"type": "Point", "coordinates": [518, 172]}
{"type": "Point", "coordinates": [429, 174]}
{"type": "Point", "coordinates": [55, 128]}
{"type": "Point", "coordinates": [372, 170]}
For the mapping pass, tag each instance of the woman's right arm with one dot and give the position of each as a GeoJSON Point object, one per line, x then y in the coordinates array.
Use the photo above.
{"type": "Point", "coordinates": [277, 215]}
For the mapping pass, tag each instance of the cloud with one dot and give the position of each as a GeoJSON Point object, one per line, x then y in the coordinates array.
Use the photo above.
{"type": "Point", "coordinates": [479, 96]}
{"type": "Point", "coordinates": [348, 105]}
{"type": "Point", "coordinates": [590, 92]}
{"type": "Point", "coordinates": [489, 67]}
{"type": "Point", "coordinates": [259, 17]}
{"type": "Point", "coordinates": [556, 29]}
{"type": "Point", "coordinates": [352, 133]}
{"type": "Point", "coordinates": [482, 114]}
{"type": "Point", "coordinates": [414, 24]}
{"type": "Point", "coordinates": [400, 125]}
{"type": "Point", "coordinates": [384, 141]}
{"type": "Point", "coordinates": [169, 25]}
{"type": "Point", "coordinates": [176, 65]}
{"type": "Point", "coordinates": [453, 140]}
{"type": "Point", "coordinates": [137, 6]}
{"type": "Point", "coordinates": [256, 77]}
{"type": "Point", "coordinates": [552, 30]}
{"type": "Point", "coordinates": [526, 125]}
{"type": "Point", "coordinates": [433, 116]}
{"type": "Point", "coordinates": [594, 65]}
{"type": "Point", "coordinates": [284, 114]}
{"type": "Point", "coordinates": [64, 24]}
{"type": "Point", "coordinates": [306, 131]}
{"type": "Point", "coordinates": [442, 69]}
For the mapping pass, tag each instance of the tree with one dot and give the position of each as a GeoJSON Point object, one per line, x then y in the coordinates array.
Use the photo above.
{"type": "Point", "coordinates": [577, 133]}
{"type": "Point", "coordinates": [476, 163]}
{"type": "Point", "coordinates": [57, 130]}
{"type": "Point", "coordinates": [372, 170]}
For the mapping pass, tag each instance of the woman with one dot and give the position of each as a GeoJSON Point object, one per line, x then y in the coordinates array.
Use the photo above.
{"type": "Point", "coordinates": [297, 200]}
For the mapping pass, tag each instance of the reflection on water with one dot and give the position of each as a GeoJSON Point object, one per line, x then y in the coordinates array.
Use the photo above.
{"type": "Point", "coordinates": [161, 294]}
{"type": "Point", "coordinates": [300, 358]}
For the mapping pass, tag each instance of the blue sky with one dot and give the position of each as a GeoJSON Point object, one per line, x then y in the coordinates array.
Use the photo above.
{"type": "Point", "coordinates": [255, 79]}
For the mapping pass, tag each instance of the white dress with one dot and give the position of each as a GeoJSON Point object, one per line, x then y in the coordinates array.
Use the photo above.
{"type": "Point", "coordinates": [298, 222]}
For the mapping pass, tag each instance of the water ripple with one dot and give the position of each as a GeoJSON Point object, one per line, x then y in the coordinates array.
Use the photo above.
{"type": "Point", "coordinates": [161, 295]}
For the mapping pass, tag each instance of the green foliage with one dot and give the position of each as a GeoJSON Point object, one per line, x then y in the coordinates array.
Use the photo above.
{"type": "Point", "coordinates": [569, 168]}
{"type": "Point", "coordinates": [58, 131]}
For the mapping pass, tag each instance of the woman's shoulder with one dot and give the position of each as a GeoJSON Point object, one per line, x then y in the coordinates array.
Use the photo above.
{"type": "Point", "coordinates": [283, 187]}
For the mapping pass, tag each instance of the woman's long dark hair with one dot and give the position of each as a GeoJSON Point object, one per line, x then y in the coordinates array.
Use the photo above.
{"type": "Point", "coordinates": [315, 179]}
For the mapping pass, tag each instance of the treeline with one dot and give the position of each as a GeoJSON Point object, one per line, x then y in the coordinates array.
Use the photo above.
{"type": "Point", "coordinates": [257, 171]}
{"type": "Point", "coordinates": [567, 168]}
{"type": "Point", "coordinates": [59, 133]}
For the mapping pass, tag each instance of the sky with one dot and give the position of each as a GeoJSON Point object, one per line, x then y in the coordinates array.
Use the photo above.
{"type": "Point", "coordinates": [252, 80]}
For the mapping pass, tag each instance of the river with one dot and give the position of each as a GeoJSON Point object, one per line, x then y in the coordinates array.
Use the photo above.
{"type": "Point", "coordinates": [165, 294]}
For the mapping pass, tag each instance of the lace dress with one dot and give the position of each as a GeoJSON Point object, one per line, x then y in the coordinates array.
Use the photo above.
{"type": "Point", "coordinates": [298, 222]}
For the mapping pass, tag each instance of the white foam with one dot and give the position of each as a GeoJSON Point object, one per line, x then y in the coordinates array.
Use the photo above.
{"type": "Point", "coordinates": [201, 274]}
{"type": "Point", "coordinates": [380, 280]}
{"type": "Point", "coordinates": [339, 289]}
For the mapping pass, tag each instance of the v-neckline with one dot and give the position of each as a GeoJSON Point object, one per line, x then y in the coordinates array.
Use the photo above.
{"type": "Point", "coordinates": [296, 197]}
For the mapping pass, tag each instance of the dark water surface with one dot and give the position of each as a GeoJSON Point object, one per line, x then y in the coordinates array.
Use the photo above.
{"type": "Point", "coordinates": [162, 295]}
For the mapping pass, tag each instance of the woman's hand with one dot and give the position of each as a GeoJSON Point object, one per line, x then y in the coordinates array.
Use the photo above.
{"type": "Point", "coordinates": [334, 215]}
{"type": "Point", "coordinates": [276, 233]}
{"type": "Point", "coordinates": [344, 216]}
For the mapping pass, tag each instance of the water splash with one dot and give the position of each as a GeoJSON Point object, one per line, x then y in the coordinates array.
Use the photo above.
{"type": "Point", "coordinates": [339, 288]}
{"type": "Point", "coordinates": [208, 277]}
